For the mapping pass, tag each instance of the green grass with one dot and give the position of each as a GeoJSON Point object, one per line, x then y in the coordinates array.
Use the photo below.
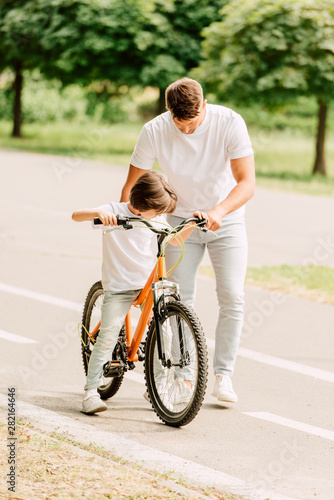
{"type": "Point", "coordinates": [283, 158]}
{"type": "Point", "coordinates": [112, 143]}
{"type": "Point", "coordinates": [311, 282]}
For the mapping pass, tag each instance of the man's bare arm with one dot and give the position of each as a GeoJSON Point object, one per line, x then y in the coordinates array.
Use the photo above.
{"type": "Point", "coordinates": [133, 175]}
{"type": "Point", "coordinates": [243, 171]}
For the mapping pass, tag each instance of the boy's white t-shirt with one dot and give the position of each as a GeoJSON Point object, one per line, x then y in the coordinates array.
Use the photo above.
{"type": "Point", "coordinates": [197, 165]}
{"type": "Point", "coordinates": [128, 255]}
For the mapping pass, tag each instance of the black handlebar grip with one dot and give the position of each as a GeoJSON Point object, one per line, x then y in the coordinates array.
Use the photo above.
{"type": "Point", "coordinates": [97, 221]}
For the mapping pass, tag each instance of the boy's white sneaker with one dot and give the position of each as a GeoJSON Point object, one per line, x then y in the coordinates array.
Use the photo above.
{"type": "Point", "coordinates": [223, 390]}
{"type": "Point", "coordinates": [92, 403]}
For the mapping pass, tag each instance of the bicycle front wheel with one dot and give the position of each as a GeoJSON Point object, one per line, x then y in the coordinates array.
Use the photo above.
{"type": "Point", "coordinates": [176, 387]}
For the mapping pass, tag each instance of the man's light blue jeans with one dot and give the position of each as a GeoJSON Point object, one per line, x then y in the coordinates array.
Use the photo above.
{"type": "Point", "coordinates": [228, 254]}
{"type": "Point", "coordinates": [114, 309]}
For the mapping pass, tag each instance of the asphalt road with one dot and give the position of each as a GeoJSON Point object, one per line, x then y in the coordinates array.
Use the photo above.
{"type": "Point", "coordinates": [280, 436]}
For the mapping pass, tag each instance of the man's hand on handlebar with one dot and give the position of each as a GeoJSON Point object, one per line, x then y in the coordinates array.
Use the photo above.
{"type": "Point", "coordinates": [214, 218]}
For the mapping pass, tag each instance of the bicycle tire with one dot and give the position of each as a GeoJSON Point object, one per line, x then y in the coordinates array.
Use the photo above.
{"type": "Point", "coordinates": [94, 296]}
{"type": "Point", "coordinates": [163, 382]}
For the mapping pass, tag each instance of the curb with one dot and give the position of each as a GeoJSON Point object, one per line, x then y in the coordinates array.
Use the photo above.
{"type": "Point", "coordinates": [151, 459]}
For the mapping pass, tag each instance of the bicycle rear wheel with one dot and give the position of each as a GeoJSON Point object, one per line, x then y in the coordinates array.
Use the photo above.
{"type": "Point", "coordinates": [177, 390]}
{"type": "Point", "coordinates": [90, 319]}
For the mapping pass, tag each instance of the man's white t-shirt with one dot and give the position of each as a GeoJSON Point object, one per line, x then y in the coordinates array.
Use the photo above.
{"type": "Point", "coordinates": [197, 165]}
{"type": "Point", "coordinates": [128, 255]}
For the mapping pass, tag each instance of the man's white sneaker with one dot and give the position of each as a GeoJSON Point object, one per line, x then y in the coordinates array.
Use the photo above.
{"type": "Point", "coordinates": [223, 389]}
{"type": "Point", "coordinates": [92, 403]}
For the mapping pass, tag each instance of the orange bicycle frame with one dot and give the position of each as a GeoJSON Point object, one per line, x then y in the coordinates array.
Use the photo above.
{"type": "Point", "coordinates": [133, 343]}
{"type": "Point", "coordinates": [158, 273]}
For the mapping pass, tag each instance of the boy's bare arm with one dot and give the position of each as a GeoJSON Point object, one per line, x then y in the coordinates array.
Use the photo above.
{"type": "Point", "coordinates": [86, 214]}
{"type": "Point", "coordinates": [177, 239]}
{"type": "Point", "coordinates": [182, 235]}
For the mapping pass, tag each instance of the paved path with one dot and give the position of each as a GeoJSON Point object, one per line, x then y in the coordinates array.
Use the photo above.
{"type": "Point", "coordinates": [290, 228]}
{"type": "Point", "coordinates": [280, 435]}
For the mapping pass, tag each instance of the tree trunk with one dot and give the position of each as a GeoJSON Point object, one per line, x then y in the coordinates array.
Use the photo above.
{"type": "Point", "coordinates": [320, 163]}
{"type": "Point", "coordinates": [161, 105]}
{"type": "Point", "coordinates": [17, 88]}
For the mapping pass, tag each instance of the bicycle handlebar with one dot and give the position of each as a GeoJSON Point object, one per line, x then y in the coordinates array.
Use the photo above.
{"type": "Point", "coordinates": [125, 221]}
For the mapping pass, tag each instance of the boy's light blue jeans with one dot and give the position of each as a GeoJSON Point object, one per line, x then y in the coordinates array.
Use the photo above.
{"type": "Point", "coordinates": [228, 255]}
{"type": "Point", "coordinates": [114, 309]}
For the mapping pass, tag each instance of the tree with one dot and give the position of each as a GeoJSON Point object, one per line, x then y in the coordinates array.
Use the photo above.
{"type": "Point", "coordinates": [172, 40]}
{"type": "Point", "coordinates": [21, 28]}
{"type": "Point", "coordinates": [270, 52]}
{"type": "Point", "coordinates": [75, 41]}
{"type": "Point", "coordinates": [90, 40]}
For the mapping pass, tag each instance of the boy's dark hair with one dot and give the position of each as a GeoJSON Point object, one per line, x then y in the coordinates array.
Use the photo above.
{"type": "Point", "coordinates": [152, 192]}
{"type": "Point", "coordinates": [184, 98]}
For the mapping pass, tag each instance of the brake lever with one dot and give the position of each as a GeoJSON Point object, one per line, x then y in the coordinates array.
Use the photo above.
{"type": "Point", "coordinates": [124, 222]}
{"type": "Point", "coordinates": [202, 225]}
{"type": "Point", "coordinates": [203, 228]}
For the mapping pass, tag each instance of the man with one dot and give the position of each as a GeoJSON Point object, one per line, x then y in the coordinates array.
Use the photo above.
{"type": "Point", "coordinates": [206, 153]}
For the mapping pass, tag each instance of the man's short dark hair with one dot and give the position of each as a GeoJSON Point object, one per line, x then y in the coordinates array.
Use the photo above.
{"type": "Point", "coordinates": [184, 98]}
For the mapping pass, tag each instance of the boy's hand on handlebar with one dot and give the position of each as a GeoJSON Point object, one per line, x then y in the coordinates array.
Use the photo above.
{"type": "Point", "coordinates": [201, 215]}
{"type": "Point", "coordinates": [107, 218]}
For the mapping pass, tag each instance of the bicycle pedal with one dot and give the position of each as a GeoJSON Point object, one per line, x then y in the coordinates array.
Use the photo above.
{"type": "Point", "coordinates": [113, 369]}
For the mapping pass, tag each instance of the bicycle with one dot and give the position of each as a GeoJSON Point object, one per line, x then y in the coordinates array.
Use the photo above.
{"type": "Point", "coordinates": [174, 353]}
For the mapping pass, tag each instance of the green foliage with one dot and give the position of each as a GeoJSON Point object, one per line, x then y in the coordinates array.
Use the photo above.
{"type": "Point", "coordinates": [74, 41]}
{"type": "Point", "coordinates": [46, 101]}
{"type": "Point", "coordinates": [107, 102]}
{"type": "Point", "coordinates": [95, 40]}
{"type": "Point", "coordinates": [22, 25]}
{"type": "Point", "coordinates": [270, 51]}
{"type": "Point", "coordinates": [161, 71]}
{"type": "Point", "coordinates": [43, 101]}
{"type": "Point", "coordinates": [172, 38]}
{"type": "Point", "coordinates": [299, 115]}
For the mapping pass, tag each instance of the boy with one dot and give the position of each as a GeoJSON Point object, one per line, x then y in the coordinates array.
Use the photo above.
{"type": "Point", "coordinates": [128, 259]}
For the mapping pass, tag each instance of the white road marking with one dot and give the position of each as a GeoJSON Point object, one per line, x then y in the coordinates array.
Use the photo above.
{"type": "Point", "coordinates": [293, 424]}
{"type": "Point", "coordinates": [287, 365]}
{"type": "Point", "coordinates": [292, 366]}
{"type": "Point", "coordinates": [13, 337]}
{"type": "Point", "coordinates": [42, 297]}
{"type": "Point", "coordinates": [153, 459]}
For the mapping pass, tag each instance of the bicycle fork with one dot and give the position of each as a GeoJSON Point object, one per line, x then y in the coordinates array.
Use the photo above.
{"type": "Point", "coordinates": [163, 290]}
